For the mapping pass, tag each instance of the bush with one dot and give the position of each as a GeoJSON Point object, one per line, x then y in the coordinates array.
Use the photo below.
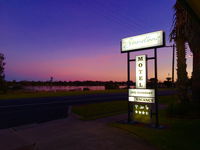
{"type": "Point", "coordinates": [111, 86]}
{"type": "Point", "coordinates": [184, 110]}
{"type": "Point", "coordinates": [86, 89]}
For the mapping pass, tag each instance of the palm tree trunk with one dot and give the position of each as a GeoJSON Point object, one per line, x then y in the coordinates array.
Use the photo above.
{"type": "Point", "coordinates": [181, 71]}
{"type": "Point", "coordinates": [196, 77]}
{"type": "Point", "coordinates": [193, 36]}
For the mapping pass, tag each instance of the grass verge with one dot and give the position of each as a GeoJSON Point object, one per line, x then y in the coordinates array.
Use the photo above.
{"type": "Point", "coordinates": [178, 134]}
{"type": "Point", "coordinates": [100, 110]}
{"type": "Point", "coordinates": [23, 94]}
{"type": "Point", "coordinates": [103, 109]}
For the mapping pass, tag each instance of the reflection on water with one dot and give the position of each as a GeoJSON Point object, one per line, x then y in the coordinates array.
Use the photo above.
{"type": "Point", "coordinates": [65, 88]}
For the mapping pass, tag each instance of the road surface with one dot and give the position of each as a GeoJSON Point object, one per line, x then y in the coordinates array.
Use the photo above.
{"type": "Point", "coordinates": [23, 111]}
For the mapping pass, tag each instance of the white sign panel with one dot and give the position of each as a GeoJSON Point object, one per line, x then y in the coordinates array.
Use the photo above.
{"type": "Point", "coordinates": [142, 99]}
{"type": "Point", "coordinates": [141, 72]}
{"type": "Point", "coordinates": [141, 92]}
{"type": "Point", "coordinates": [144, 41]}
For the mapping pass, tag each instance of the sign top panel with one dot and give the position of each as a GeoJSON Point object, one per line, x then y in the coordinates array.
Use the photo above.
{"type": "Point", "coordinates": [144, 41]}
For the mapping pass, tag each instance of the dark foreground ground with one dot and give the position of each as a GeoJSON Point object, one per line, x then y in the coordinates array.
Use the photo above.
{"type": "Point", "coordinates": [71, 134]}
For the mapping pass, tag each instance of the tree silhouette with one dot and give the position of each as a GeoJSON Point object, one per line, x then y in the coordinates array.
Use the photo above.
{"type": "Point", "coordinates": [187, 25]}
{"type": "Point", "coordinates": [178, 35]}
{"type": "Point", "coordinates": [2, 75]}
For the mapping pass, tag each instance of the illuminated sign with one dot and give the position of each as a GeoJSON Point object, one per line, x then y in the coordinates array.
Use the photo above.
{"type": "Point", "coordinates": [141, 75]}
{"type": "Point", "coordinates": [144, 41]}
{"type": "Point", "coordinates": [142, 113]}
{"type": "Point", "coordinates": [142, 95]}
{"type": "Point", "coordinates": [142, 92]}
{"type": "Point", "coordinates": [142, 99]}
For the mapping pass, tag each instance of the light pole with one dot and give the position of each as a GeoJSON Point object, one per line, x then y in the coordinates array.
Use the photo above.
{"type": "Point", "coordinates": [173, 57]}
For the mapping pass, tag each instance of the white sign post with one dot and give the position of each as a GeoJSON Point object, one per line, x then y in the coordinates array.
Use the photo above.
{"type": "Point", "coordinates": [141, 72]}
{"type": "Point", "coordinates": [141, 94]}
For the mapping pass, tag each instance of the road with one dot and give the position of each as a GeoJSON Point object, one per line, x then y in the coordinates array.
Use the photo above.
{"type": "Point", "coordinates": [22, 111]}
{"type": "Point", "coordinates": [70, 100]}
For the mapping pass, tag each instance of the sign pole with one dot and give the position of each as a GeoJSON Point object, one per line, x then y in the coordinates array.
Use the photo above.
{"type": "Point", "coordinates": [173, 53]}
{"type": "Point", "coordinates": [156, 80]}
{"type": "Point", "coordinates": [128, 84]}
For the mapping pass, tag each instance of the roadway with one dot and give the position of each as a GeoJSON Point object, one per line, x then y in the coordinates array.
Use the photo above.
{"type": "Point", "coordinates": [70, 100]}
{"type": "Point", "coordinates": [15, 112]}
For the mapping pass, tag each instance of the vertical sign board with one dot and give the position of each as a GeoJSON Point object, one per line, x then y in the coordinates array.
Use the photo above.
{"type": "Point", "coordinates": [142, 97]}
{"type": "Point", "coordinates": [141, 75]}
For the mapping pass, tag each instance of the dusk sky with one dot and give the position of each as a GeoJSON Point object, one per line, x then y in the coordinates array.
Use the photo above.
{"type": "Point", "coordinates": [79, 39]}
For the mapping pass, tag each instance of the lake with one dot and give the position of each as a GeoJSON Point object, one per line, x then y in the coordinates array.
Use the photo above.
{"type": "Point", "coordinates": [65, 88]}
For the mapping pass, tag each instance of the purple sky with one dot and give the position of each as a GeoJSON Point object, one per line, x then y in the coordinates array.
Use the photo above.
{"type": "Point", "coordinates": [78, 39]}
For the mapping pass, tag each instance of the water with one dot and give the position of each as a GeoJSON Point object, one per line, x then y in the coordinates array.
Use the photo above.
{"type": "Point", "coordinates": [65, 88]}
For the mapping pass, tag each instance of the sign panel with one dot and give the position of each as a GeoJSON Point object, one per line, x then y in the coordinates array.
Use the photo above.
{"type": "Point", "coordinates": [144, 41]}
{"type": "Point", "coordinates": [141, 92]}
{"type": "Point", "coordinates": [141, 72]}
{"type": "Point", "coordinates": [142, 113]}
{"type": "Point", "coordinates": [142, 99]}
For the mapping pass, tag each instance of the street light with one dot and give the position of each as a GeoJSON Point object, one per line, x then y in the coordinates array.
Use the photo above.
{"type": "Point", "coordinates": [173, 55]}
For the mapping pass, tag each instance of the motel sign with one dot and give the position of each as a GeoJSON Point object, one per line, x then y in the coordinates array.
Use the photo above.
{"type": "Point", "coordinates": [141, 100]}
{"type": "Point", "coordinates": [141, 72]}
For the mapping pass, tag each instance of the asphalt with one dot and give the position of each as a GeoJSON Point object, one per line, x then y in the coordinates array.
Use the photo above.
{"type": "Point", "coordinates": [71, 134]}
{"type": "Point", "coordinates": [70, 100]}
{"type": "Point", "coordinates": [15, 112]}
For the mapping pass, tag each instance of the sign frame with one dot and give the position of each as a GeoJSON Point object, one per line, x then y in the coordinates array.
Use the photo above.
{"type": "Point", "coordinates": [130, 104]}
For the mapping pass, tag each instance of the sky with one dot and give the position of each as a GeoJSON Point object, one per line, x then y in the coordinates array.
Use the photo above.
{"type": "Point", "coordinates": [80, 39]}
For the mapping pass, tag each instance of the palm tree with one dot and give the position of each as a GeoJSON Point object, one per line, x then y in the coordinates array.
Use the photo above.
{"type": "Point", "coordinates": [2, 75]}
{"type": "Point", "coordinates": [2, 64]}
{"type": "Point", "coordinates": [192, 32]}
{"type": "Point", "coordinates": [187, 25]}
{"type": "Point", "coordinates": [178, 35]}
